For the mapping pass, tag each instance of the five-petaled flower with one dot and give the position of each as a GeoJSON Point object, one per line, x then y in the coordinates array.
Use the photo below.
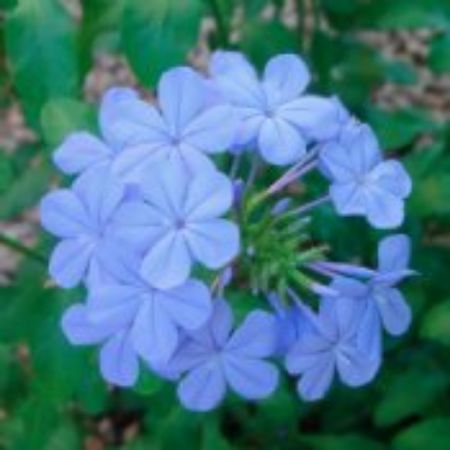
{"type": "Point", "coordinates": [214, 358]}
{"type": "Point", "coordinates": [362, 183]}
{"type": "Point", "coordinates": [178, 222]}
{"type": "Point", "coordinates": [81, 218]}
{"type": "Point", "coordinates": [273, 113]}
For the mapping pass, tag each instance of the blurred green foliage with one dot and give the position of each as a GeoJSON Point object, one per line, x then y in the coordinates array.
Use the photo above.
{"type": "Point", "coordinates": [51, 396]}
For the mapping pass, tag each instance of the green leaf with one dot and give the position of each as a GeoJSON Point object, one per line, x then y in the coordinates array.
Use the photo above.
{"type": "Point", "coordinates": [408, 394]}
{"type": "Point", "coordinates": [439, 56]}
{"type": "Point", "coordinates": [158, 34]}
{"type": "Point", "coordinates": [431, 434]}
{"type": "Point", "coordinates": [99, 17]}
{"type": "Point", "coordinates": [282, 40]}
{"type": "Point", "coordinates": [61, 116]}
{"type": "Point", "coordinates": [399, 128]}
{"type": "Point", "coordinates": [341, 442]}
{"type": "Point", "coordinates": [26, 190]}
{"type": "Point", "coordinates": [6, 172]}
{"type": "Point", "coordinates": [432, 167]}
{"type": "Point", "coordinates": [436, 323]}
{"type": "Point", "coordinates": [42, 51]}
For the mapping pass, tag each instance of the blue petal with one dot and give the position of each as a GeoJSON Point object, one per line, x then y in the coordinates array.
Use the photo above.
{"type": "Point", "coordinates": [251, 378]}
{"type": "Point", "coordinates": [70, 260]}
{"type": "Point", "coordinates": [100, 193]}
{"type": "Point", "coordinates": [189, 305]}
{"type": "Point", "coordinates": [287, 75]}
{"type": "Point", "coordinates": [182, 96]}
{"type": "Point", "coordinates": [392, 177]}
{"type": "Point", "coordinates": [236, 79]}
{"type": "Point", "coordinates": [114, 305]}
{"type": "Point", "coordinates": [210, 194]}
{"type": "Point", "coordinates": [394, 253]}
{"type": "Point", "coordinates": [213, 131]}
{"type": "Point", "coordinates": [79, 330]}
{"type": "Point", "coordinates": [384, 210]}
{"type": "Point", "coordinates": [132, 163]}
{"type": "Point", "coordinates": [63, 215]}
{"type": "Point", "coordinates": [214, 242]}
{"type": "Point", "coordinates": [138, 224]}
{"type": "Point", "coordinates": [125, 120]}
{"type": "Point", "coordinates": [315, 382]}
{"type": "Point", "coordinates": [280, 143]}
{"type": "Point", "coordinates": [255, 338]}
{"type": "Point", "coordinates": [348, 198]}
{"type": "Point", "coordinates": [354, 366]}
{"type": "Point", "coordinates": [203, 388]}
{"type": "Point", "coordinates": [314, 116]}
{"type": "Point", "coordinates": [154, 334]}
{"type": "Point", "coordinates": [168, 262]}
{"type": "Point", "coordinates": [118, 361]}
{"type": "Point", "coordinates": [394, 311]}
{"type": "Point", "coordinates": [81, 151]}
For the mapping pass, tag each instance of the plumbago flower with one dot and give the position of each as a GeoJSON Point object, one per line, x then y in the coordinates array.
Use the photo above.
{"type": "Point", "coordinates": [81, 218]}
{"type": "Point", "coordinates": [156, 232]}
{"type": "Point", "coordinates": [273, 112]}
{"type": "Point", "coordinates": [178, 222]}
{"type": "Point", "coordinates": [363, 184]}
{"type": "Point", "coordinates": [214, 359]}
{"type": "Point", "coordinates": [82, 150]}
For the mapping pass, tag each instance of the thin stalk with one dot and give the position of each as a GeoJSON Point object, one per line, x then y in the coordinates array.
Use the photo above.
{"type": "Point", "coordinates": [308, 206]}
{"type": "Point", "coordinates": [15, 245]}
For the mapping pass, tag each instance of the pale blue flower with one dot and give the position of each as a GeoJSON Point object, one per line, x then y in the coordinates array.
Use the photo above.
{"type": "Point", "coordinates": [81, 218]}
{"type": "Point", "coordinates": [214, 358]}
{"type": "Point", "coordinates": [179, 223]}
{"type": "Point", "coordinates": [330, 346]}
{"type": "Point", "coordinates": [183, 127]}
{"type": "Point", "coordinates": [82, 150]}
{"type": "Point", "coordinates": [361, 182]}
{"type": "Point", "coordinates": [273, 113]}
{"type": "Point", "coordinates": [153, 317]}
{"type": "Point", "coordinates": [119, 363]}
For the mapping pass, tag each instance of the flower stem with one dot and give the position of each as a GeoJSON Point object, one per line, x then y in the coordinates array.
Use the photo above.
{"type": "Point", "coordinates": [15, 245]}
{"type": "Point", "coordinates": [308, 206]}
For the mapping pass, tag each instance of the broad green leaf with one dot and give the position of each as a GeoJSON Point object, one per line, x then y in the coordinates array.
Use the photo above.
{"type": "Point", "coordinates": [26, 190]}
{"type": "Point", "coordinates": [430, 167]}
{"type": "Point", "coordinates": [436, 323]}
{"type": "Point", "coordinates": [282, 40]}
{"type": "Point", "coordinates": [408, 394]}
{"type": "Point", "coordinates": [42, 51]}
{"type": "Point", "coordinates": [439, 56]}
{"type": "Point", "coordinates": [61, 116]}
{"type": "Point", "coordinates": [341, 442]}
{"type": "Point", "coordinates": [99, 17]}
{"type": "Point", "coordinates": [399, 128]}
{"type": "Point", "coordinates": [6, 172]}
{"type": "Point", "coordinates": [148, 383]}
{"type": "Point", "coordinates": [431, 434]}
{"type": "Point", "coordinates": [158, 34]}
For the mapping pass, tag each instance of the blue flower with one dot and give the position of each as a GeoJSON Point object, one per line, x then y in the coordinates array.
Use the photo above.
{"type": "Point", "coordinates": [361, 182]}
{"type": "Point", "coordinates": [381, 303]}
{"type": "Point", "coordinates": [185, 127]}
{"type": "Point", "coordinates": [82, 150]}
{"type": "Point", "coordinates": [273, 113]}
{"type": "Point", "coordinates": [81, 217]}
{"type": "Point", "coordinates": [153, 317]}
{"type": "Point", "coordinates": [119, 362]}
{"type": "Point", "coordinates": [178, 223]}
{"type": "Point", "coordinates": [215, 358]}
{"type": "Point", "coordinates": [330, 345]}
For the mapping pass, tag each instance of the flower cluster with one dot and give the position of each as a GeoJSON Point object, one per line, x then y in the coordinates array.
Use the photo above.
{"type": "Point", "coordinates": [156, 228]}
